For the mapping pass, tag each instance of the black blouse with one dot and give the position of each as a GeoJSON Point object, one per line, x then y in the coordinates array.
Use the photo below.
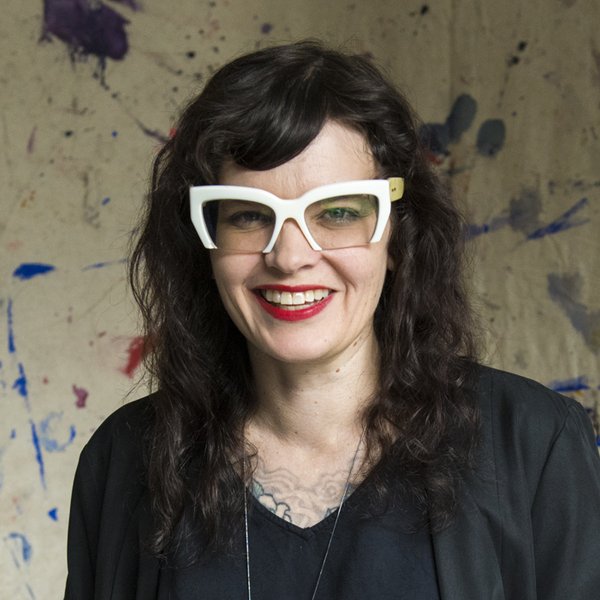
{"type": "Point", "coordinates": [381, 556]}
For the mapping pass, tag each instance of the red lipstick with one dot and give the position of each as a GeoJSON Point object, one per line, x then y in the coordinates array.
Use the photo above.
{"type": "Point", "coordinates": [292, 315]}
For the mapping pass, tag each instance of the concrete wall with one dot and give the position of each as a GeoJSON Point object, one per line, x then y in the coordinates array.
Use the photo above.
{"type": "Point", "coordinates": [511, 91]}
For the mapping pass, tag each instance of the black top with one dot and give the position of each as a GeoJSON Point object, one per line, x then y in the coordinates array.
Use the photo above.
{"type": "Point", "coordinates": [382, 556]}
{"type": "Point", "coordinates": [526, 525]}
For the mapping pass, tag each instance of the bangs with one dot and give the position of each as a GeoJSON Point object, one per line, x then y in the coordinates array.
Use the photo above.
{"type": "Point", "coordinates": [281, 123]}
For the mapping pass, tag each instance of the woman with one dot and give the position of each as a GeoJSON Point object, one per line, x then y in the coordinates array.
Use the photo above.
{"type": "Point", "coordinates": [321, 428]}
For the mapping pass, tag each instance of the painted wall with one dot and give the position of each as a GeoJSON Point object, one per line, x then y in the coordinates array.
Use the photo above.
{"type": "Point", "coordinates": [510, 93]}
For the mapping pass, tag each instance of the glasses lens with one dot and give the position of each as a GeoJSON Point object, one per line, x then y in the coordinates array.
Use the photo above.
{"type": "Point", "coordinates": [239, 225]}
{"type": "Point", "coordinates": [343, 221]}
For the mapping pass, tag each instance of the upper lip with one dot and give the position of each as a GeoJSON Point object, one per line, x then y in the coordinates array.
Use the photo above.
{"type": "Point", "coordinates": [292, 288]}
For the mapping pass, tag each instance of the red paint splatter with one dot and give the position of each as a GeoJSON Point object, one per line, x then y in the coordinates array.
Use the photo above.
{"type": "Point", "coordinates": [81, 394]}
{"type": "Point", "coordinates": [45, 380]}
{"type": "Point", "coordinates": [136, 353]}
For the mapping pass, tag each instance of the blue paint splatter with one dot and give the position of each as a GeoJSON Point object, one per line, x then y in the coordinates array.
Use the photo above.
{"type": "Point", "coordinates": [53, 513]}
{"type": "Point", "coordinates": [11, 333]}
{"type": "Point", "coordinates": [38, 453]}
{"type": "Point", "coordinates": [29, 270]}
{"type": "Point", "coordinates": [13, 434]}
{"type": "Point", "coordinates": [562, 223]}
{"type": "Point", "coordinates": [47, 430]}
{"type": "Point", "coordinates": [438, 136]}
{"type": "Point", "coordinates": [105, 201]}
{"type": "Point", "coordinates": [575, 384]}
{"type": "Point", "coordinates": [20, 385]}
{"type": "Point", "coordinates": [114, 133]}
{"type": "Point", "coordinates": [101, 265]}
{"type": "Point", "coordinates": [21, 549]}
{"type": "Point", "coordinates": [266, 28]}
{"type": "Point", "coordinates": [474, 230]}
{"type": "Point", "coordinates": [490, 137]}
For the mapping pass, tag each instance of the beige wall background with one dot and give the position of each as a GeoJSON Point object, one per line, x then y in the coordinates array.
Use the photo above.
{"type": "Point", "coordinates": [83, 113]}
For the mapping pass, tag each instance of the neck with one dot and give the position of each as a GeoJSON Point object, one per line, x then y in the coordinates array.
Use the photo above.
{"type": "Point", "coordinates": [317, 406]}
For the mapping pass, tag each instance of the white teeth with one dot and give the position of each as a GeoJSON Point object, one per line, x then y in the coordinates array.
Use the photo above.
{"type": "Point", "coordinates": [298, 298]}
{"type": "Point", "coordinates": [295, 298]}
{"type": "Point", "coordinates": [286, 299]}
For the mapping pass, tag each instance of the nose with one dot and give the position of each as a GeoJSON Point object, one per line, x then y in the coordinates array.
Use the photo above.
{"type": "Point", "coordinates": [291, 251]}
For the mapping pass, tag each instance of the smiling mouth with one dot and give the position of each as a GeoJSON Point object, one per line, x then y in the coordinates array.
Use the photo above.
{"type": "Point", "coordinates": [294, 300]}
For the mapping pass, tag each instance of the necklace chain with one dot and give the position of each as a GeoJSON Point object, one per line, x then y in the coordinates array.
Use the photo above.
{"type": "Point", "coordinates": [326, 554]}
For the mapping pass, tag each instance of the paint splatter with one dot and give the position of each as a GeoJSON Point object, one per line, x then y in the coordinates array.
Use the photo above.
{"type": "Point", "coordinates": [81, 394]}
{"type": "Point", "coordinates": [48, 432]}
{"type": "Point", "coordinates": [525, 210]}
{"type": "Point", "coordinates": [153, 133]}
{"type": "Point", "coordinates": [563, 222]}
{"type": "Point", "coordinates": [101, 265]}
{"type": "Point", "coordinates": [20, 385]}
{"type": "Point", "coordinates": [38, 453]}
{"type": "Point", "coordinates": [565, 290]}
{"type": "Point", "coordinates": [576, 384]}
{"type": "Point", "coordinates": [461, 117]}
{"type": "Point", "coordinates": [132, 4]}
{"type": "Point", "coordinates": [495, 224]}
{"type": "Point", "coordinates": [438, 136]}
{"type": "Point", "coordinates": [53, 513]}
{"type": "Point", "coordinates": [266, 28]}
{"type": "Point", "coordinates": [11, 333]}
{"type": "Point", "coordinates": [31, 140]}
{"type": "Point", "coordinates": [87, 27]}
{"type": "Point", "coordinates": [135, 353]}
{"type": "Point", "coordinates": [490, 137]}
{"type": "Point", "coordinates": [30, 270]}
{"type": "Point", "coordinates": [19, 547]}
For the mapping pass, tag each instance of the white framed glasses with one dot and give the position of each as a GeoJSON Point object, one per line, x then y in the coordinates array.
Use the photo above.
{"type": "Point", "coordinates": [338, 215]}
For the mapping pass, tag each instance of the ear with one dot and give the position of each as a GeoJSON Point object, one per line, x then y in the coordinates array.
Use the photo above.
{"type": "Point", "coordinates": [391, 265]}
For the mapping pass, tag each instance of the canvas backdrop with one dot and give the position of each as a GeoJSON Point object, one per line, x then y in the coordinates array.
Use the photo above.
{"type": "Point", "coordinates": [509, 93]}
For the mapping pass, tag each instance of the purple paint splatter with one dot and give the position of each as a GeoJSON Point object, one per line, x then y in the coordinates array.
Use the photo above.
{"type": "Point", "coordinates": [87, 27]}
{"type": "Point", "coordinates": [266, 28]}
{"type": "Point", "coordinates": [30, 270]}
{"type": "Point", "coordinates": [81, 394]}
{"type": "Point", "coordinates": [153, 133]}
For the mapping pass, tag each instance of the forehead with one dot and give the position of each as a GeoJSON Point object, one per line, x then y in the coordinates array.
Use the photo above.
{"type": "Point", "coordinates": [338, 153]}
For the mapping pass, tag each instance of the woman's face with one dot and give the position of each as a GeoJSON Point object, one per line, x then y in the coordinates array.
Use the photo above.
{"type": "Point", "coordinates": [333, 327]}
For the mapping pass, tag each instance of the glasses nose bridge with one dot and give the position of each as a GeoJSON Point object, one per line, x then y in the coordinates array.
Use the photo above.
{"type": "Point", "coordinates": [290, 213]}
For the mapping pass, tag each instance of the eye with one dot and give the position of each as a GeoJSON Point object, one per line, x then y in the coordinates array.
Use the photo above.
{"type": "Point", "coordinates": [339, 214]}
{"type": "Point", "coordinates": [244, 215]}
{"type": "Point", "coordinates": [247, 219]}
{"type": "Point", "coordinates": [343, 211]}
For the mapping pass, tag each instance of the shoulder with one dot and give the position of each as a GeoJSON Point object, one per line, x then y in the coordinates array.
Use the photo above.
{"type": "Point", "coordinates": [518, 398]}
{"type": "Point", "coordinates": [522, 420]}
{"type": "Point", "coordinates": [118, 445]}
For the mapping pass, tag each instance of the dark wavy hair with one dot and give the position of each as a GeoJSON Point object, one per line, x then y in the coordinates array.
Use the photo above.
{"type": "Point", "coordinates": [261, 110]}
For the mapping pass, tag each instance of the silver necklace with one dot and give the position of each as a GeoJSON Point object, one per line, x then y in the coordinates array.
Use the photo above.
{"type": "Point", "coordinates": [337, 517]}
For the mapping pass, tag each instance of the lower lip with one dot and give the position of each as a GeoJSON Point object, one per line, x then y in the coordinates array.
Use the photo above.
{"type": "Point", "coordinates": [294, 315]}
